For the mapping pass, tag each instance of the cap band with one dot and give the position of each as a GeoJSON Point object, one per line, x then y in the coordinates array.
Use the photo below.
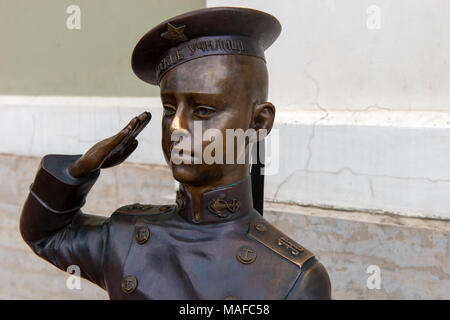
{"type": "Point", "coordinates": [207, 46]}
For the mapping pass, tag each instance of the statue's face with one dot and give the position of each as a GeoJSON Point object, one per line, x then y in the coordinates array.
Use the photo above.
{"type": "Point", "coordinates": [216, 92]}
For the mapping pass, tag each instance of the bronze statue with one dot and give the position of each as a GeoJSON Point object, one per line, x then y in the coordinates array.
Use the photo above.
{"type": "Point", "coordinates": [212, 244]}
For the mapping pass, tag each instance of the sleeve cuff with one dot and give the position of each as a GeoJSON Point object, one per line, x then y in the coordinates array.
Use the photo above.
{"type": "Point", "coordinates": [56, 189]}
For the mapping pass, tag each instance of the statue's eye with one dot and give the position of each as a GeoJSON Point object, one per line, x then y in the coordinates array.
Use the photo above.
{"type": "Point", "coordinates": [204, 111]}
{"type": "Point", "coordinates": [169, 110]}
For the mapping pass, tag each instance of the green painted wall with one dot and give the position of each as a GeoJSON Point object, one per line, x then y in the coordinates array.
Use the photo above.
{"type": "Point", "coordinates": [39, 55]}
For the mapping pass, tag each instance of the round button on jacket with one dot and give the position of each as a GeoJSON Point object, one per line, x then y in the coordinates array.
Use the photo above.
{"type": "Point", "coordinates": [129, 284]}
{"type": "Point", "coordinates": [142, 234]}
{"type": "Point", "coordinates": [261, 227]}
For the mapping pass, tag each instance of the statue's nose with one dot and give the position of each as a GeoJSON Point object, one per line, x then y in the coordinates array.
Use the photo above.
{"type": "Point", "coordinates": [180, 120]}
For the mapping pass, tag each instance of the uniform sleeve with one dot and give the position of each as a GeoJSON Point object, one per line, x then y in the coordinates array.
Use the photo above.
{"type": "Point", "coordinates": [312, 284]}
{"type": "Point", "coordinates": [53, 225]}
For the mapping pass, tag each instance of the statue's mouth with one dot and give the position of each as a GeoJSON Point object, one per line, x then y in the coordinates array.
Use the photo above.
{"type": "Point", "coordinates": [182, 156]}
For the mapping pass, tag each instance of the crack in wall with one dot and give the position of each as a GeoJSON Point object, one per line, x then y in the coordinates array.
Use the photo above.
{"type": "Point", "coordinates": [337, 172]}
{"type": "Point", "coordinates": [317, 104]}
{"type": "Point", "coordinates": [345, 169]}
{"type": "Point", "coordinates": [313, 127]}
{"type": "Point", "coordinates": [373, 107]}
{"type": "Point", "coordinates": [354, 173]}
{"type": "Point", "coordinates": [349, 170]}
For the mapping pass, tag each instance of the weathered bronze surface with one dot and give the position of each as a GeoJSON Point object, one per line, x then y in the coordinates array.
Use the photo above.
{"type": "Point", "coordinates": [212, 244]}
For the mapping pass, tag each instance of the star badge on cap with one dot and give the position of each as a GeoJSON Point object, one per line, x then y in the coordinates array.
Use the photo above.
{"type": "Point", "coordinates": [174, 34]}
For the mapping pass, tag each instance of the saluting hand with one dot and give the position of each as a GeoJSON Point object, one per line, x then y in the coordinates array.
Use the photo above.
{"type": "Point", "coordinates": [113, 150]}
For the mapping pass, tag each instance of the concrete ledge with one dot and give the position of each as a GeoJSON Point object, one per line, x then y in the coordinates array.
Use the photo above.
{"type": "Point", "coordinates": [411, 253]}
{"type": "Point", "coordinates": [372, 160]}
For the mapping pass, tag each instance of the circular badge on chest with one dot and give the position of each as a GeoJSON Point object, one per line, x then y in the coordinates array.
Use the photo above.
{"type": "Point", "coordinates": [246, 255]}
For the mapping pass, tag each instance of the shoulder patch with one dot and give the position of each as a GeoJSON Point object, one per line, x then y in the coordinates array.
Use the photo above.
{"type": "Point", "coordinates": [144, 209]}
{"type": "Point", "coordinates": [275, 240]}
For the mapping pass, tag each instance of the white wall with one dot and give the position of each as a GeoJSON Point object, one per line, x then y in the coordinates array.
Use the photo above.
{"type": "Point", "coordinates": [327, 55]}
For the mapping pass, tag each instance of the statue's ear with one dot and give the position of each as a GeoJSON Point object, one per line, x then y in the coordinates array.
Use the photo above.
{"type": "Point", "coordinates": [263, 116]}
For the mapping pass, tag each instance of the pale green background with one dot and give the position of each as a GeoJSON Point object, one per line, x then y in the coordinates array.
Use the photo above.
{"type": "Point", "coordinates": [40, 56]}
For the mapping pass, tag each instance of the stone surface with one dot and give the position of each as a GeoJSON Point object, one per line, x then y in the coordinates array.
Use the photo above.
{"type": "Point", "coordinates": [412, 254]}
{"type": "Point", "coordinates": [26, 276]}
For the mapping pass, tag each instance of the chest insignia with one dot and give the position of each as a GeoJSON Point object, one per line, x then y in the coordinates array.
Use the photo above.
{"type": "Point", "coordinates": [246, 255]}
{"type": "Point", "coordinates": [218, 206]}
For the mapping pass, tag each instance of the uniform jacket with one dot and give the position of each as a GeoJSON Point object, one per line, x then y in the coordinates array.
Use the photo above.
{"type": "Point", "coordinates": [163, 252]}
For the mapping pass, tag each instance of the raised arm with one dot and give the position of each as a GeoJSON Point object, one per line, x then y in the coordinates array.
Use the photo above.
{"type": "Point", "coordinates": [52, 223]}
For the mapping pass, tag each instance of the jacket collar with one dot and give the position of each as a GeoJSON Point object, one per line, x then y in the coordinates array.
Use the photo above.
{"type": "Point", "coordinates": [218, 204]}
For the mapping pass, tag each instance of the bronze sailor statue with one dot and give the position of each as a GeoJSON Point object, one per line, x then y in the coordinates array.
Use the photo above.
{"type": "Point", "coordinates": [213, 244]}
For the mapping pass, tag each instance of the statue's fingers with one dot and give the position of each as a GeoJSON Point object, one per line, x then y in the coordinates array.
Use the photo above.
{"type": "Point", "coordinates": [144, 119]}
{"type": "Point", "coordinates": [144, 115]}
{"type": "Point", "coordinates": [130, 149]}
{"type": "Point", "coordinates": [122, 156]}
{"type": "Point", "coordinates": [133, 123]}
{"type": "Point", "coordinates": [125, 135]}
{"type": "Point", "coordinates": [120, 137]}
{"type": "Point", "coordinates": [140, 119]}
